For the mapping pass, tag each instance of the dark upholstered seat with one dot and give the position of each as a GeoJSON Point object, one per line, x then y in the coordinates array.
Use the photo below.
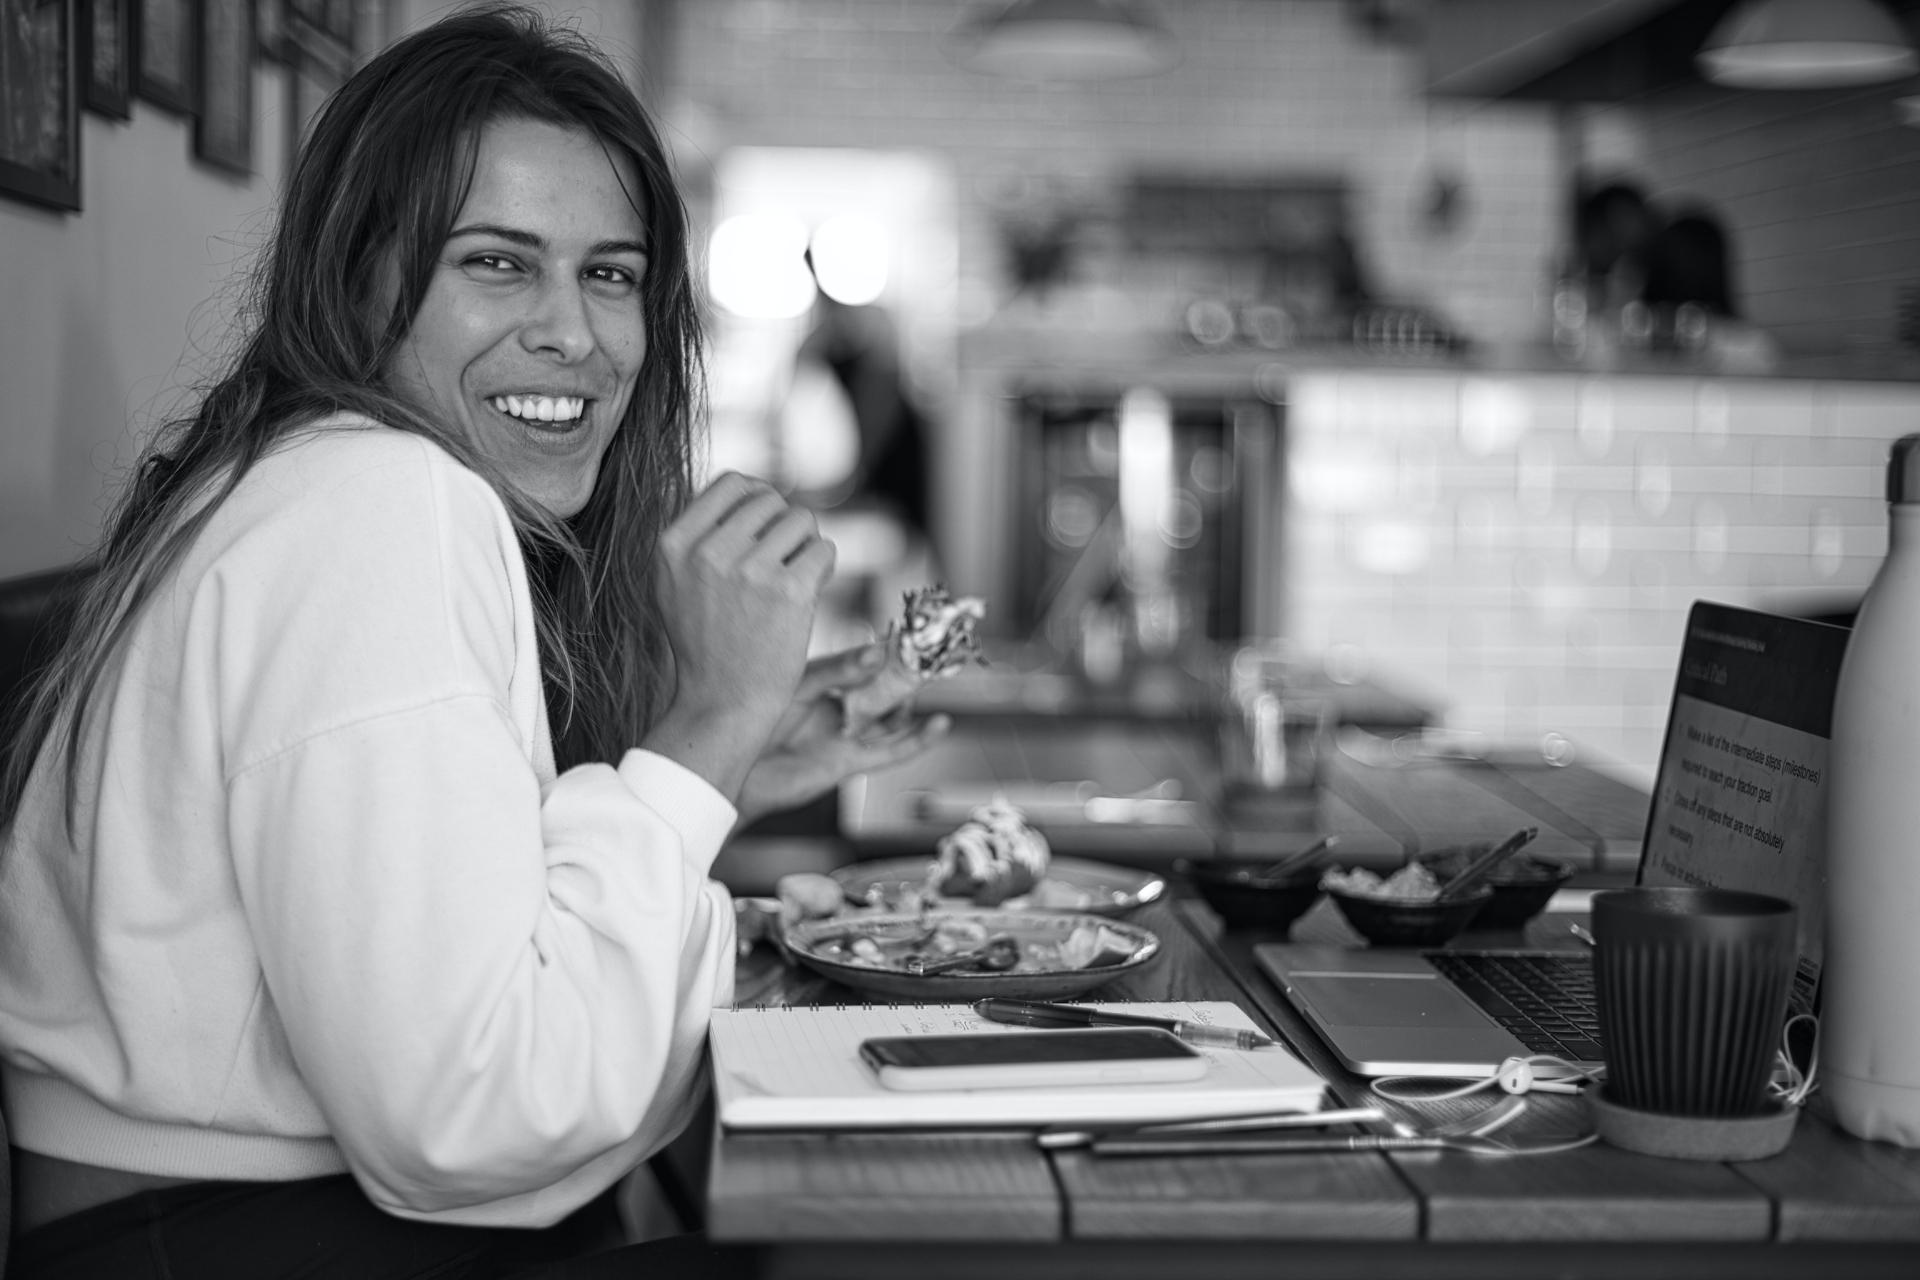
{"type": "Point", "coordinates": [32, 621]}
{"type": "Point", "coordinates": [33, 609]}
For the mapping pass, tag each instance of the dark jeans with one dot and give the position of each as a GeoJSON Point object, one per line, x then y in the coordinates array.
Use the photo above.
{"type": "Point", "coordinates": [320, 1228]}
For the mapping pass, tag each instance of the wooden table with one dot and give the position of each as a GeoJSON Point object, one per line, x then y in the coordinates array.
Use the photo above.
{"type": "Point", "coordinates": [993, 1204]}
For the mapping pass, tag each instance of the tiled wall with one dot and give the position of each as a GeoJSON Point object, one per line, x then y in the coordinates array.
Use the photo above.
{"type": "Point", "coordinates": [1821, 192]}
{"type": "Point", "coordinates": [1524, 549]}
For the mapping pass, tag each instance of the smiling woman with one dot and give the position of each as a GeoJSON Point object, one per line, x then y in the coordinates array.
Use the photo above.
{"type": "Point", "coordinates": [354, 852]}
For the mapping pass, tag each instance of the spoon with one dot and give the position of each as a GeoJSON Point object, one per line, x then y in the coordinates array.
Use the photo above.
{"type": "Point", "coordinates": [1481, 867]}
{"type": "Point", "coordinates": [998, 954]}
{"type": "Point", "coordinates": [1299, 858]}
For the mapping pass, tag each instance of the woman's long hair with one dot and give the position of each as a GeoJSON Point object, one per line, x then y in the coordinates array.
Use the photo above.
{"type": "Point", "coordinates": [372, 198]}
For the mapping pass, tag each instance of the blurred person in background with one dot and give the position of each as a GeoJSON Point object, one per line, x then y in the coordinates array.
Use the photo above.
{"type": "Point", "coordinates": [1612, 223]}
{"type": "Point", "coordinates": [850, 383]}
{"type": "Point", "coordinates": [1688, 284]}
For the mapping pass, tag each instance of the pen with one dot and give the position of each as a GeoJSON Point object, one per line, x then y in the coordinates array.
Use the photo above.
{"type": "Point", "coordinates": [1058, 1139]}
{"type": "Point", "coordinates": [1040, 1013]}
{"type": "Point", "coordinates": [1181, 1145]}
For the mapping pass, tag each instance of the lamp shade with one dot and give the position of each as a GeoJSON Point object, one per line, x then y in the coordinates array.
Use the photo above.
{"type": "Point", "coordinates": [1065, 40]}
{"type": "Point", "coordinates": [1806, 44]}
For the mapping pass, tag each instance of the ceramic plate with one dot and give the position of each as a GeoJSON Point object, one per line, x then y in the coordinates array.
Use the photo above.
{"type": "Point", "coordinates": [1071, 884]}
{"type": "Point", "coordinates": [1062, 953]}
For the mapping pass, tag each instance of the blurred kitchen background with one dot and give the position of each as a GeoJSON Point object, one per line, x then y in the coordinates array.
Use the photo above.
{"type": "Point", "coordinates": [1296, 331]}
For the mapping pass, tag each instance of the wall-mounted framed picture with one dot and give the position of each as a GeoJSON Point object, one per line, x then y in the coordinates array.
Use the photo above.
{"type": "Point", "coordinates": [40, 101]}
{"type": "Point", "coordinates": [270, 34]}
{"type": "Point", "coordinates": [106, 57]}
{"type": "Point", "coordinates": [163, 63]}
{"type": "Point", "coordinates": [313, 13]}
{"type": "Point", "coordinates": [223, 116]}
{"type": "Point", "coordinates": [319, 67]}
{"type": "Point", "coordinates": [338, 20]}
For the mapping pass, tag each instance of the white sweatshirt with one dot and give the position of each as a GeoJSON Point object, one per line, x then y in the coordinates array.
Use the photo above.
{"type": "Point", "coordinates": [326, 905]}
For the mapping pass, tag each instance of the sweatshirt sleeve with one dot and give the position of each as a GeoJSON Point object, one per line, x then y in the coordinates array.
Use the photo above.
{"type": "Point", "coordinates": [496, 988]}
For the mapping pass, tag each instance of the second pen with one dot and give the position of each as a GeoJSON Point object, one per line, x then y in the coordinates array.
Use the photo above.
{"type": "Point", "coordinates": [1041, 1013]}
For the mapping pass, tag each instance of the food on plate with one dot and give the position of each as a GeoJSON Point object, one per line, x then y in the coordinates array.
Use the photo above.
{"type": "Point", "coordinates": [801, 895]}
{"type": "Point", "coordinates": [903, 884]}
{"type": "Point", "coordinates": [992, 856]}
{"type": "Point", "coordinates": [1091, 946]}
{"type": "Point", "coordinates": [1411, 883]}
{"type": "Point", "coordinates": [933, 637]}
{"type": "Point", "coordinates": [808, 895]}
{"type": "Point", "coordinates": [890, 946]}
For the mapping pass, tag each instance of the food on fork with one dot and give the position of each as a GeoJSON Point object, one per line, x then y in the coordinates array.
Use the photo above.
{"type": "Point", "coordinates": [935, 634]}
{"type": "Point", "coordinates": [992, 856]}
{"type": "Point", "coordinates": [933, 637]}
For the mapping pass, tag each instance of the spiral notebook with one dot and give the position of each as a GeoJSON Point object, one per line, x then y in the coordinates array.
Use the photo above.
{"type": "Point", "coordinates": [800, 1068]}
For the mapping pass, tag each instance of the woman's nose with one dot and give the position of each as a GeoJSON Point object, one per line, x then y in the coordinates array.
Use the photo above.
{"type": "Point", "coordinates": [560, 324]}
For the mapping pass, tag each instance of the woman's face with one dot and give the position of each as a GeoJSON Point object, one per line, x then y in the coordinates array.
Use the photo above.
{"type": "Point", "coordinates": [530, 338]}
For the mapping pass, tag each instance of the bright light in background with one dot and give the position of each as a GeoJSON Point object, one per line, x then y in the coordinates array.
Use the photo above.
{"type": "Point", "coordinates": [1146, 511]}
{"type": "Point", "coordinates": [756, 266]}
{"type": "Point", "coordinates": [1493, 416]}
{"type": "Point", "coordinates": [1392, 547]}
{"type": "Point", "coordinates": [851, 255]}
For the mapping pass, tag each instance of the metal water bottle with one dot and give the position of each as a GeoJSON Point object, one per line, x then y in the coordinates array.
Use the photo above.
{"type": "Point", "coordinates": [1870, 1002]}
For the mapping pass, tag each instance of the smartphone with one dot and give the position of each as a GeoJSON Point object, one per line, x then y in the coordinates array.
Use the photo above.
{"type": "Point", "coordinates": [1033, 1059]}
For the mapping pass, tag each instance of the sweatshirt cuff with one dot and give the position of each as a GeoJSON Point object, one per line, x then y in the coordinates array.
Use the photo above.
{"type": "Point", "coordinates": [703, 817]}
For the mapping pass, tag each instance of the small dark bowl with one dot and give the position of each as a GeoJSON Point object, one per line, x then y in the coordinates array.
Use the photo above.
{"type": "Point", "coordinates": [1391, 922]}
{"type": "Point", "coordinates": [1522, 885]}
{"type": "Point", "coordinates": [1245, 899]}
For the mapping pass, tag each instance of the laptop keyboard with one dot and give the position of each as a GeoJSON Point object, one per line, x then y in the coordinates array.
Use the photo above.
{"type": "Point", "coordinates": [1544, 998]}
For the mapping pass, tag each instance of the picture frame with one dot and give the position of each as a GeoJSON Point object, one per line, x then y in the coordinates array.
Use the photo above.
{"type": "Point", "coordinates": [40, 113]}
{"type": "Point", "coordinates": [337, 20]}
{"type": "Point", "coordinates": [223, 107]}
{"type": "Point", "coordinates": [270, 32]}
{"type": "Point", "coordinates": [163, 47]}
{"type": "Point", "coordinates": [106, 57]}
{"type": "Point", "coordinates": [318, 67]}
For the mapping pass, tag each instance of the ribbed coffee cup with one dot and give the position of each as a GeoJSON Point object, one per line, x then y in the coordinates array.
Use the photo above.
{"type": "Point", "coordinates": [1692, 987]}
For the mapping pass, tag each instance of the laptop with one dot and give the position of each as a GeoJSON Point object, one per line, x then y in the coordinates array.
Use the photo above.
{"type": "Point", "coordinates": [1739, 802]}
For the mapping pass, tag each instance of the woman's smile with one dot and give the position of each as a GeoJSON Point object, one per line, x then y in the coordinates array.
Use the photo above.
{"type": "Point", "coordinates": [555, 424]}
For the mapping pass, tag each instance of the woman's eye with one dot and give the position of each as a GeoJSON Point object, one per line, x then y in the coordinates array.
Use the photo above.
{"type": "Point", "coordinates": [613, 277]}
{"type": "Point", "coordinates": [492, 264]}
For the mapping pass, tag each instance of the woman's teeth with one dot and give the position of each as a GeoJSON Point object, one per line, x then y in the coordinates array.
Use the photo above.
{"type": "Point", "coordinates": [541, 408]}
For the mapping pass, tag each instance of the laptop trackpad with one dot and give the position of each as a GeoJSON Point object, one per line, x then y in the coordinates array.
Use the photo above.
{"type": "Point", "coordinates": [1372, 1000]}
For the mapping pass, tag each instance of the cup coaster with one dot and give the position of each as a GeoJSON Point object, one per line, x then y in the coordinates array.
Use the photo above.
{"type": "Point", "coordinates": [1655, 1133]}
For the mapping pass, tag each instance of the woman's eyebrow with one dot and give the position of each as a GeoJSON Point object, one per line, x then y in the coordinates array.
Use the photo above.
{"type": "Point", "coordinates": [527, 239]}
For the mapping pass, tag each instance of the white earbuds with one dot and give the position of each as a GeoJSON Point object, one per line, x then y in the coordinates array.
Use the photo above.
{"type": "Point", "coordinates": [1516, 1075]}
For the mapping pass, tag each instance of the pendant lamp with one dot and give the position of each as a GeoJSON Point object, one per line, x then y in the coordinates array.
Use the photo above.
{"type": "Point", "coordinates": [1065, 40]}
{"type": "Point", "coordinates": [1806, 44]}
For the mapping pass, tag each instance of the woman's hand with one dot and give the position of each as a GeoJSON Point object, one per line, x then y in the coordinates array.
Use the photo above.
{"type": "Point", "coordinates": [741, 571]}
{"type": "Point", "coordinates": [810, 752]}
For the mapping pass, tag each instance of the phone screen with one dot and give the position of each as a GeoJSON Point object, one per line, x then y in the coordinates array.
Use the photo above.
{"type": "Point", "coordinates": [1125, 1044]}
{"type": "Point", "coordinates": [1033, 1059]}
